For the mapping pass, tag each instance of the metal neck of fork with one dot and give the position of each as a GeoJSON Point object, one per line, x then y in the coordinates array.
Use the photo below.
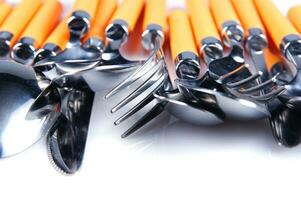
{"type": "Point", "coordinates": [47, 51]}
{"type": "Point", "coordinates": [5, 43]}
{"type": "Point", "coordinates": [211, 48]}
{"type": "Point", "coordinates": [79, 25]}
{"type": "Point", "coordinates": [152, 36]}
{"type": "Point", "coordinates": [256, 39]}
{"type": "Point", "coordinates": [95, 43]}
{"type": "Point", "coordinates": [117, 34]}
{"type": "Point", "coordinates": [24, 51]}
{"type": "Point", "coordinates": [256, 42]}
{"type": "Point", "coordinates": [291, 48]}
{"type": "Point", "coordinates": [232, 33]}
{"type": "Point", "coordinates": [187, 65]}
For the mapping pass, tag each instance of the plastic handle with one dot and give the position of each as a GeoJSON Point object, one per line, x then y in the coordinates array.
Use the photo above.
{"type": "Point", "coordinates": [87, 6]}
{"type": "Point", "coordinates": [223, 11]}
{"type": "Point", "coordinates": [20, 17]}
{"type": "Point", "coordinates": [155, 13]}
{"type": "Point", "coordinates": [181, 36]}
{"type": "Point", "coordinates": [60, 35]}
{"type": "Point", "coordinates": [294, 15]}
{"type": "Point", "coordinates": [247, 14]}
{"type": "Point", "coordinates": [44, 22]}
{"type": "Point", "coordinates": [5, 10]}
{"type": "Point", "coordinates": [103, 15]}
{"type": "Point", "coordinates": [201, 19]}
{"type": "Point", "coordinates": [129, 11]}
{"type": "Point", "coordinates": [276, 24]}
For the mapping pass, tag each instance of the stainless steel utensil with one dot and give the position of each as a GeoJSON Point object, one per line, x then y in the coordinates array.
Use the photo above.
{"type": "Point", "coordinates": [76, 56]}
{"type": "Point", "coordinates": [19, 85]}
{"type": "Point", "coordinates": [233, 71]}
{"type": "Point", "coordinates": [285, 36]}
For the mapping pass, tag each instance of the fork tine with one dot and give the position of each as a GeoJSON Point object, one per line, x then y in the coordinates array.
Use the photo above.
{"type": "Point", "coordinates": [244, 81]}
{"type": "Point", "coordinates": [154, 78]}
{"type": "Point", "coordinates": [135, 109]}
{"type": "Point", "coordinates": [258, 87]}
{"type": "Point", "coordinates": [149, 98]}
{"type": "Point", "coordinates": [145, 68]}
{"type": "Point", "coordinates": [268, 96]}
{"type": "Point", "coordinates": [112, 67]}
{"type": "Point", "coordinates": [153, 113]}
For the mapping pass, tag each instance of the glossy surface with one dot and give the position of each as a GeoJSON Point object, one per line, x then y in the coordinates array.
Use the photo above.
{"type": "Point", "coordinates": [232, 107]}
{"type": "Point", "coordinates": [67, 139]}
{"type": "Point", "coordinates": [18, 89]}
{"type": "Point", "coordinates": [197, 115]}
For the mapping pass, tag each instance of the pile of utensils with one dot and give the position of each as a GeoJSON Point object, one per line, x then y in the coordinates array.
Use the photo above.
{"type": "Point", "coordinates": [233, 60]}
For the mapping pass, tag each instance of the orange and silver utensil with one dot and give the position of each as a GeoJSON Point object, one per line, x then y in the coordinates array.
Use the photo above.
{"type": "Point", "coordinates": [264, 88]}
{"type": "Point", "coordinates": [183, 52]}
{"type": "Point", "coordinates": [121, 25]}
{"type": "Point", "coordinates": [36, 32]}
{"type": "Point", "coordinates": [75, 57]}
{"type": "Point", "coordinates": [227, 21]}
{"type": "Point", "coordinates": [96, 36]}
{"type": "Point", "coordinates": [256, 40]}
{"type": "Point", "coordinates": [155, 29]}
{"type": "Point", "coordinates": [205, 32]}
{"type": "Point", "coordinates": [210, 96]}
{"type": "Point", "coordinates": [286, 37]}
{"type": "Point", "coordinates": [232, 34]}
{"type": "Point", "coordinates": [152, 71]}
{"type": "Point", "coordinates": [60, 36]}
{"type": "Point", "coordinates": [15, 23]}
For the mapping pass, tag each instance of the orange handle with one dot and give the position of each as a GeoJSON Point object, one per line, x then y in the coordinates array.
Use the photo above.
{"type": "Point", "coordinates": [223, 11]}
{"type": "Point", "coordinates": [87, 6]}
{"type": "Point", "coordinates": [44, 21]}
{"type": "Point", "coordinates": [201, 19]}
{"type": "Point", "coordinates": [5, 10]}
{"type": "Point", "coordinates": [20, 17]}
{"type": "Point", "coordinates": [247, 14]}
{"type": "Point", "coordinates": [60, 35]}
{"type": "Point", "coordinates": [181, 36]}
{"type": "Point", "coordinates": [103, 15]}
{"type": "Point", "coordinates": [294, 15]}
{"type": "Point", "coordinates": [276, 24]}
{"type": "Point", "coordinates": [271, 59]}
{"type": "Point", "coordinates": [155, 13]}
{"type": "Point", "coordinates": [129, 11]}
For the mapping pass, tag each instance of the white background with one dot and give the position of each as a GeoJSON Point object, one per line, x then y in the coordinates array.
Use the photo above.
{"type": "Point", "coordinates": [167, 160]}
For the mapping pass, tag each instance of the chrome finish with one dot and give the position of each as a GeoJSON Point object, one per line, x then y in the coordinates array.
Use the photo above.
{"type": "Point", "coordinates": [232, 33]}
{"type": "Point", "coordinates": [24, 51]}
{"type": "Point", "coordinates": [5, 43]}
{"type": "Point", "coordinates": [256, 43]}
{"type": "Point", "coordinates": [151, 35]}
{"type": "Point", "coordinates": [285, 123]}
{"type": "Point", "coordinates": [212, 49]}
{"type": "Point", "coordinates": [67, 138]}
{"type": "Point", "coordinates": [233, 107]}
{"type": "Point", "coordinates": [187, 65]}
{"type": "Point", "coordinates": [117, 34]}
{"type": "Point", "coordinates": [185, 111]}
{"type": "Point", "coordinates": [291, 48]}
{"type": "Point", "coordinates": [75, 57]}
{"type": "Point", "coordinates": [18, 91]}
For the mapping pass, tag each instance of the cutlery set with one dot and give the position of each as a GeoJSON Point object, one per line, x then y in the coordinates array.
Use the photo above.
{"type": "Point", "coordinates": [233, 60]}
